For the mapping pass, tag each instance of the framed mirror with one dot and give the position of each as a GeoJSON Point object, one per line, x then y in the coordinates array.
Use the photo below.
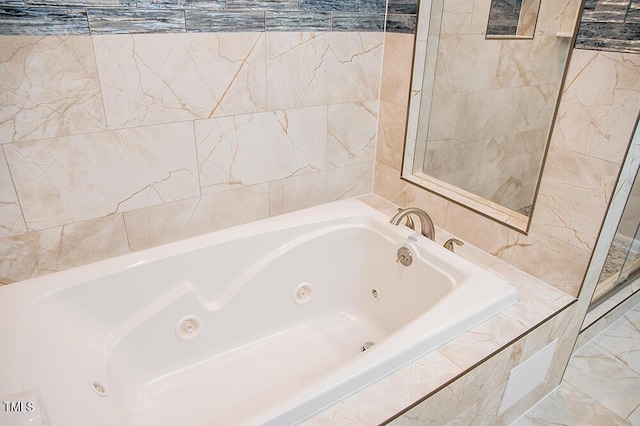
{"type": "Point", "coordinates": [482, 106]}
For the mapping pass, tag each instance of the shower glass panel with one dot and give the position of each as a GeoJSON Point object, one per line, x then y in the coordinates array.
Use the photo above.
{"type": "Point", "coordinates": [623, 261]}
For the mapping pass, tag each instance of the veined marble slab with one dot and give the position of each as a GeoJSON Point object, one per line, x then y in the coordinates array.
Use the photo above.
{"type": "Point", "coordinates": [219, 21]}
{"type": "Point", "coordinates": [330, 5]}
{"type": "Point", "coordinates": [263, 4]}
{"type": "Point", "coordinates": [181, 4]}
{"type": "Point", "coordinates": [611, 25]}
{"type": "Point", "coordinates": [298, 21]}
{"type": "Point", "coordinates": [356, 22]}
{"type": "Point", "coordinates": [43, 21]}
{"type": "Point", "coordinates": [135, 21]}
{"type": "Point", "coordinates": [75, 178]}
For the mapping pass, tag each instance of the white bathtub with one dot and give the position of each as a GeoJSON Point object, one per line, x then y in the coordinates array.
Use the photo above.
{"type": "Point", "coordinates": [98, 344]}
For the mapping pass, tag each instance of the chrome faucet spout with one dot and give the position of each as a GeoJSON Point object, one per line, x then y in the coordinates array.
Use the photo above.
{"type": "Point", "coordinates": [426, 224]}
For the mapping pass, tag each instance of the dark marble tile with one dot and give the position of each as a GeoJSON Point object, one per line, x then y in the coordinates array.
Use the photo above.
{"type": "Point", "coordinates": [135, 21]}
{"type": "Point", "coordinates": [224, 21]}
{"type": "Point", "coordinates": [181, 4]}
{"type": "Point", "coordinates": [401, 24]}
{"type": "Point", "coordinates": [83, 3]}
{"type": "Point", "coordinates": [503, 17]}
{"type": "Point", "coordinates": [590, 4]}
{"type": "Point", "coordinates": [609, 36]}
{"type": "Point", "coordinates": [263, 4]}
{"type": "Point", "coordinates": [329, 5]}
{"type": "Point", "coordinates": [402, 7]}
{"type": "Point", "coordinates": [633, 14]}
{"type": "Point", "coordinates": [606, 11]}
{"type": "Point", "coordinates": [373, 6]}
{"type": "Point", "coordinates": [43, 21]}
{"type": "Point", "coordinates": [298, 21]}
{"type": "Point", "coordinates": [502, 30]}
{"type": "Point", "coordinates": [603, 16]}
{"type": "Point", "coordinates": [357, 22]}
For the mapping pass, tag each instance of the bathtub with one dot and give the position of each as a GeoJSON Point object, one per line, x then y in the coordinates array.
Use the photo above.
{"type": "Point", "coordinates": [258, 324]}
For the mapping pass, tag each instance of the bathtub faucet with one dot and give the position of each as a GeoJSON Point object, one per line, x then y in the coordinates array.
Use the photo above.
{"type": "Point", "coordinates": [426, 224]}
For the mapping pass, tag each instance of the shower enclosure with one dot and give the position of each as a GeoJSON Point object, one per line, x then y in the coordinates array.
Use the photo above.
{"type": "Point", "coordinates": [622, 264]}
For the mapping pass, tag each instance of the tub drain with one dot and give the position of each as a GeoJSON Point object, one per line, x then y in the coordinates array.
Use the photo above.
{"type": "Point", "coordinates": [367, 345]}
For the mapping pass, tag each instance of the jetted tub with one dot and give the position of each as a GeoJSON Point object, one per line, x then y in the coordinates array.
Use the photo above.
{"type": "Point", "coordinates": [258, 324]}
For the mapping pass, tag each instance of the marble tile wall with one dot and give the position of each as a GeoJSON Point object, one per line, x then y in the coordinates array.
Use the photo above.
{"type": "Point", "coordinates": [112, 143]}
{"type": "Point", "coordinates": [596, 118]}
{"type": "Point", "coordinates": [82, 17]}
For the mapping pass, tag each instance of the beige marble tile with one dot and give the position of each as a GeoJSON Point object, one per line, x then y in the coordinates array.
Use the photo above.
{"type": "Point", "coordinates": [312, 189]}
{"type": "Point", "coordinates": [598, 320]}
{"type": "Point", "coordinates": [634, 418]}
{"type": "Point", "coordinates": [391, 131]}
{"type": "Point", "coordinates": [528, 17]}
{"type": "Point", "coordinates": [466, 61]}
{"type": "Point", "coordinates": [574, 192]}
{"type": "Point", "coordinates": [484, 233]}
{"type": "Point", "coordinates": [388, 186]}
{"type": "Point", "coordinates": [567, 405]}
{"type": "Point", "coordinates": [169, 222]}
{"type": "Point", "coordinates": [477, 385]}
{"type": "Point", "coordinates": [597, 119]}
{"type": "Point", "coordinates": [535, 62]}
{"type": "Point", "coordinates": [379, 204]}
{"type": "Point", "coordinates": [387, 183]}
{"type": "Point", "coordinates": [480, 17]}
{"type": "Point", "coordinates": [396, 77]}
{"type": "Point", "coordinates": [444, 117]}
{"type": "Point", "coordinates": [481, 341]}
{"type": "Point", "coordinates": [437, 207]}
{"type": "Point", "coordinates": [556, 262]}
{"type": "Point", "coordinates": [351, 133]}
{"type": "Point", "coordinates": [11, 220]}
{"type": "Point", "coordinates": [428, 373]}
{"type": "Point", "coordinates": [485, 112]}
{"type": "Point", "coordinates": [308, 69]}
{"type": "Point", "coordinates": [258, 148]}
{"type": "Point", "coordinates": [547, 332]}
{"type": "Point", "coordinates": [482, 412]}
{"type": "Point", "coordinates": [622, 340]}
{"type": "Point", "coordinates": [604, 379]}
{"type": "Point", "coordinates": [164, 78]}
{"type": "Point", "coordinates": [457, 16]}
{"type": "Point", "coordinates": [558, 17]}
{"type": "Point", "coordinates": [49, 88]}
{"type": "Point", "coordinates": [70, 179]}
{"type": "Point", "coordinates": [37, 253]}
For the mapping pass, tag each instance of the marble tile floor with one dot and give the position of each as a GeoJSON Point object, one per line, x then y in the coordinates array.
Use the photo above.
{"type": "Point", "coordinates": [602, 383]}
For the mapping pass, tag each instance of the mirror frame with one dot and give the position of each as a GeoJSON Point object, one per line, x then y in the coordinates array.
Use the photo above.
{"type": "Point", "coordinates": [489, 209]}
